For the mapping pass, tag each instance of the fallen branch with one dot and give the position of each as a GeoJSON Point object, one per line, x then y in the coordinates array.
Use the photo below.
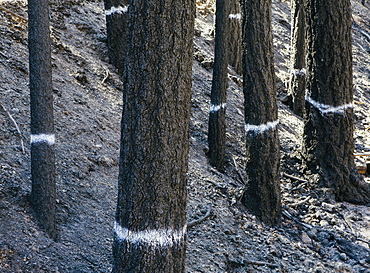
{"type": "Point", "coordinates": [300, 202]}
{"type": "Point", "coordinates": [16, 126]}
{"type": "Point", "coordinates": [362, 154]}
{"type": "Point", "coordinates": [294, 177]}
{"type": "Point", "coordinates": [14, 14]}
{"type": "Point", "coordinates": [201, 219]}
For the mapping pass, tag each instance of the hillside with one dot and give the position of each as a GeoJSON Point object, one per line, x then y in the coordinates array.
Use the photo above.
{"type": "Point", "coordinates": [317, 235]}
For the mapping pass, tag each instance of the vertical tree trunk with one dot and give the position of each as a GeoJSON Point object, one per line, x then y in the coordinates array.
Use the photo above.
{"type": "Point", "coordinates": [116, 20]}
{"type": "Point", "coordinates": [328, 129]}
{"type": "Point", "coordinates": [217, 119]}
{"type": "Point", "coordinates": [235, 37]}
{"type": "Point", "coordinates": [42, 120]}
{"type": "Point", "coordinates": [298, 58]}
{"type": "Point", "coordinates": [262, 195]}
{"type": "Point", "coordinates": [150, 222]}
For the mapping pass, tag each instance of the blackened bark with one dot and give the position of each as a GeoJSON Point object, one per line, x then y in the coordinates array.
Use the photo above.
{"type": "Point", "coordinates": [42, 121]}
{"type": "Point", "coordinates": [262, 195]}
{"type": "Point", "coordinates": [235, 37]}
{"type": "Point", "coordinates": [151, 208]}
{"type": "Point", "coordinates": [298, 58]}
{"type": "Point", "coordinates": [116, 21]}
{"type": "Point", "coordinates": [217, 119]}
{"type": "Point", "coordinates": [329, 122]}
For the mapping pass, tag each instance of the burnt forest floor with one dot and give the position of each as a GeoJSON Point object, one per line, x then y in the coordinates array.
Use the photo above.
{"type": "Point", "coordinates": [317, 234]}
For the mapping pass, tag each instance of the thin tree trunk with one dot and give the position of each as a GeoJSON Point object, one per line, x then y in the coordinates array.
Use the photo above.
{"type": "Point", "coordinates": [42, 120]}
{"type": "Point", "coordinates": [217, 119]}
{"type": "Point", "coordinates": [329, 123]}
{"type": "Point", "coordinates": [235, 37]}
{"type": "Point", "coordinates": [116, 20]}
{"type": "Point", "coordinates": [150, 222]}
{"type": "Point", "coordinates": [262, 195]}
{"type": "Point", "coordinates": [298, 58]}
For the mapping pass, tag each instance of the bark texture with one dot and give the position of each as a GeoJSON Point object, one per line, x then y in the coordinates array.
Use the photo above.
{"type": "Point", "coordinates": [42, 120]}
{"type": "Point", "coordinates": [116, 20]}
{"type": "Point", "coordinates": [217, 114]}
{"type": "Point", "coordinates": [155, 137]}
{"type": "Point", "coordinates": [298, 58]}
{"type": "Point", "coordinates": [262, 195]}
{"type": "Point", "coordinates": [329, 122]}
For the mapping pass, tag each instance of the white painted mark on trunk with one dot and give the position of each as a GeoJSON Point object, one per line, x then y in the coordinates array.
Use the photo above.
{"type": "Point", "coordinates": [325, 108]}
{"type": "Point", "coordinates": [299, 72]}
{"type": "Point", "coordinates": [48, 138]}
{"type": "Point", "coordinates": [236, 16]}
{"type": "Point", "coordinates": [259, 129]}
{"type": "Point", "coordinates": [157, 238]}
{"type": "Point", "coordinates": [214, 108]}
{"type": "Point", "coordinates": [118, 10]}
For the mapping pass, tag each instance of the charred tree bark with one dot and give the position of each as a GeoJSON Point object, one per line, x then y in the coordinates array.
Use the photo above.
{"type": "Point", "coordinates": [42, 120]}
{"type": "Point", "coordinates": [217, 114]}
{"type": "Point", "coordinates": [150, 221]}
{"type": "Point", "coordinates": [235, 37]}
{"type": "Point", "coordinates": [298, 58]}
{"type": "Point", "coordinates": [329, 122]}
{"type": "Point", "coordinates": [116, 20]}
{"type": "Point", "coordinates": [262, 195]}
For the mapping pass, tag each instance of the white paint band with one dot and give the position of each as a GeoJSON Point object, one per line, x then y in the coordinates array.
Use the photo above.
{"type": "Point", "coordinates": [299, 72]}
{"type": "Point", "coordinates": [236, 16]}
{"type": "Point", "coordinates": [118, 9]}
{"type": "Point", "coordinates": [325, 108]}
{"type": "Point", "coordinates": [214, 108]}
{"type": "Point", "coordinates": [259, 129]}
{"type": "Point", "coordinates": [156, 238]}
{"type": "Point", "coordinates": [48, 138]}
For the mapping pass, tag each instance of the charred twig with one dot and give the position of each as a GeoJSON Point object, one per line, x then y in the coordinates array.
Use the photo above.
{"type": "Point", "coordinates": [291, 217]}
{"type": "Point", "coordinates": [16, 126]}
{"type": "Point", "coordinates": [106, 75]}
{"type": "Point", "coordinates": [201, 219]}
{"type": "Point", "coordinates": [237, 170]}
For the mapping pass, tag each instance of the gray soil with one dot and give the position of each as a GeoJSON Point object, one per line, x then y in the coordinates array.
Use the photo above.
{"type": "Point", "coordinates": [317, 235]}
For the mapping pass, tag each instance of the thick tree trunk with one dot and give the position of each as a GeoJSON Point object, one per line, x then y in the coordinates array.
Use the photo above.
{"type": "Point", "coordinates": [150, 222]}
{"type": "Point", "coordinates": [298, 58]}
{"type": "Point", "coordinates": [116, 20]}
{"type": "Point", "coordinates": [217, 113]}
{"type": "Point", "coordinates": [42, 120]}
{"type": "Point", "coordinates": [328, 130]}
{"type": "Point", "coordinates": [235, 37]}
{"type": "Point", "coordinates": [262, 195]}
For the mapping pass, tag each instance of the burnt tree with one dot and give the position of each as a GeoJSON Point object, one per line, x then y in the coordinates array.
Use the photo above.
{"type": "Point", "coordinates": [150, 221]}
{"type": "Point", "coordinates": [42, 120]}
{"type": "Point", "coordinates": [262, 194]}
{"type": "Point", "coordinates": [116, 21]}
{"type": "Point", "coordinates": [329, 122]}
{"type": "Point", "coordinates": [217, 113]}
{"type": "Point", "coordinates": [235, 36]}
{"type": "Point", "coordinates": [297, 85]}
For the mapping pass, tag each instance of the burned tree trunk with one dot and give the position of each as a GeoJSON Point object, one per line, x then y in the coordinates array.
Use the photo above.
{"type": "Point", "coordinates": [235, 37]}
{"type": "Point", "coordinates": [217, 113]}
{"type": "Point", "coordinates": [150, 221]}
{"type": "Point", "coordinates": [328, 130]}
{"type": "Point", "coordinates": [116, 20]}
{"type": "Point", "coordinates": [42, 119]}
{"type": "Point", "coordinates": [262, 194]}
{"type": "Point", "coordinates": [297, 86]}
